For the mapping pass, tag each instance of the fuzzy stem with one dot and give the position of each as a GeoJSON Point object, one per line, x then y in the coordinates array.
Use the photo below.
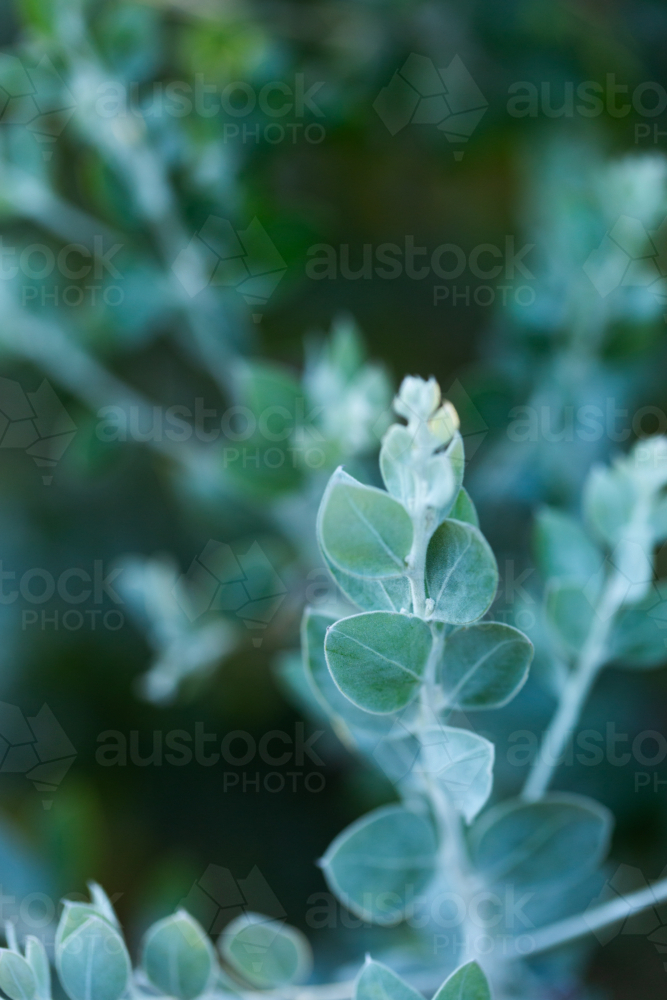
{"type": "Point", "coordinates": [614, 911]}
{"type": "Point", "coordinates": [575, 692]}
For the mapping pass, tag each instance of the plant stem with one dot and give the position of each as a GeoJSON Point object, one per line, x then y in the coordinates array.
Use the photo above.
{"type": "Point", "coordinates": [417, 560]}
{"type": "Point", "coordinates": [575, 692]}
{"type": "Point", "coordinates": [572, 928]}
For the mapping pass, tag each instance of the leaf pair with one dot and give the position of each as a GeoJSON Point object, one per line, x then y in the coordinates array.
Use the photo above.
{"type": "Point", "coordinates": [381, 864]}
{"type": "Point", "coordinates": [377, 982]}
{"type": "Point", "coordinates": [26, 978]}
{"type": "Point", "coordinates": [179, 959]}
{"type": "Point", "coordinates": [378, 661]}
{"type": "Point", "coordinates": [366, 536]}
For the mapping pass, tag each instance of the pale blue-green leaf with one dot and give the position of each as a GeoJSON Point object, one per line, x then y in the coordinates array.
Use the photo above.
{"type": "Point", "coordinates": [608, 501]}
{"type": "Point", "coordinates": [381, 862]}
{"type": "Point", "coordinates": [461, 573]}
{"type": "Point", "coordinates": [378, 659]}
{"type": "Point", "coordinates": [17, 979]}
{"type": "Point", "coordinates": [102, 903]}
{"type": "Point", "coordinates": [73, 915]}
{"type": "Point", "coordinates": [178, 957]}
{"type": "Point", "coordinates": [456, 454]}
{"type": "Point", "coordinates": [658, 519]}
{"type": "Point", "coordinates": [462, 764]}
{"type": "Point", "coordinates": [363, 530]}
{"type": "Point", "coordinates": [38, 960]}
{"type": "Point", "coordinates": [464, 509]}
{"type": "Point", "coordinates": [266, 952]}
{"type": "Point", "coordinates": [377, 982]}
{"type": "Point", "coordinates": [388, 594]}
{"type": "Point", "coordinates": [559, 839]}
{"type": "Point", "coordinates": [639, 634]}
{"type": "Point", "coordinates": [569, 614]}
{"type": "Point", "coordinates": [314, 626]}
{"type": "Point", "coordinates": [484, 665]}
{"type": "Point", "coordinates": [396, 455]}
{"type": "Point", "coordinates": [92, 962]}
{"type": "Point", "coordinates": [466, 983]}
{"type": "Point", "coordinates": [562, 547]}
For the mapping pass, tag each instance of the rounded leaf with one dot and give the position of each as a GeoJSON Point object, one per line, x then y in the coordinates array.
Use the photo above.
{"type": "Point", "coordinates": [462, 763]}
{"type": "Point", "coordinates": [314, 626]}
{"type": "Point", "coordinates": [362, 530]}
{"type": "Point", "coordinates": [484, 665]}
{"type": "Point", "coordinates": [387, 594]}
{"type": "Point", "coordinates": [17, 979]}
{"type": "Point", "coordinates": [464, 509]}
{"type": "Point", "coordinates": [562, 547]}
{"type": "Point", "coordinates": [396, 463]}
{"type": "Point", "coordinates": [38, 960]}
{"type": "Point", "coordinates": [92, 961]}
{"type": "Point", "coordinates": [380, 863]}
{"type": "Point", "coordinates": [466, 983]}
{"type": "Point", "coordinates": [266, 952]}
{"type": "Point", "coordinates": [558, 840]}
{"type": "Point", "coordinates": [461, 573]}
{"type": "Point", "coordinates": [639, 635]}
{"type": "Point", "coordinates": [378, 659]}
{"type": "Point", "coordinates": [377, 982]}
{"type": "Point", "coordinates": [178, 957]}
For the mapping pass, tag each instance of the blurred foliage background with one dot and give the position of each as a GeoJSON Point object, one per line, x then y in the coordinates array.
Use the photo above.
{"type": "Point", "coordinates": [170, 175]}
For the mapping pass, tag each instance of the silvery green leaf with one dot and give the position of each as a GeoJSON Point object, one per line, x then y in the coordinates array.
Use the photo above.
{"type": "Point", "coordinates": [462, 763]}
{"type": "Point", "coordinates": [484, 665]}
{"type": "Point", "coordinates": [569, 613]}
{"type": "Point", "coordinates": [381, 862]}
{"type": "Point", "coordinates": [633, 559]}
{"type": "Point", "coordinates": [92, 961]}
{"type": "Point", "coordinates": [559, 839]}
{"type": "Point", "coordinates": [464, 509]}
{"type": "Point", "coordinates": [396, 458]}
{"type": "Point", "coordinates": [456, 454]}
{"type": "Point", "coordinates": [466, 983]}
{"type": "Point", "coordinates": [563, 548]}
{"type": "Point", "coordinates": [313, 631]}
{"type": "Point", "coordinates": [658, 519]}
{"type": "Point", "coordinates": [377, 982]}
{"type": "Point", "coordinates": [461, 573]}
{"type": "Point", "coordinates": [441, 485]}
{"type": "Point", "coordinates": [73, 915]}
{"type": "Point", "coordinates": [17, 979]}
{"type": "Point", "coordinates": [609, 499]}
{"type": "Point", "coordinates": [38, 960]}
{"type": "Point", "coordinates": [178, 957]}
{"type": "Point", "coordinates": [639, 634]}
{"type": "Point", "coordinates": [378, 659]}
{"type": "Point", "coordinates": [266, 952]}
{"type": "Point", "coordinates": [388, 594]}
{"type": "Point", "coordinates": [363, 530]}
{"type": "Point", "coordinates": [102, 903]}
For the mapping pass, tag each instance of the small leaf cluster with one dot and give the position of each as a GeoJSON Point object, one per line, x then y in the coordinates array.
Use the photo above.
{"type": "Point", "coordinates": [177, 958]}
{"type": "Point", "coordinates": [600, 571]}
